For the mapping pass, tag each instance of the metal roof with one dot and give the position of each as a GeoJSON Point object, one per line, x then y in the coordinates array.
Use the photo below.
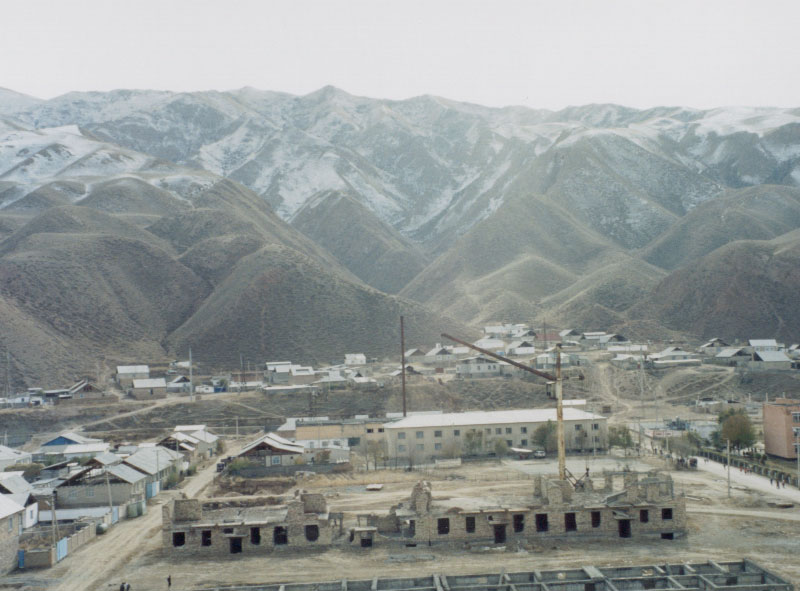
{"type": "Point", "coordinates": [151, 460]}
{"type": "Point", "coordinates": [189, 428]}
{"type": "Point", "coordinates": [730, 352]}
{"type": "Point", "coordinates": [9, 453]}
{"type": "Point", "coordinates": [125, 473]}
{"type": "Point", "coordinates": [771, 356]}
{"type": "Point", "coordinates": [763, 343]}
{"type": "Point", "coordinates": [123, 369]}
{"type": "Point", "coordinates": [9, 507]}
{"type": "Point", "coordinates": [107, 458]}
{"type": "Point", "coordinates": [15, 484]}
{"type": "Point", "coordinates": [150, 383]}
{"type": "Point", "coordinates": [498, 417]}
{"type": "Point", "coordinates": [275, 441]}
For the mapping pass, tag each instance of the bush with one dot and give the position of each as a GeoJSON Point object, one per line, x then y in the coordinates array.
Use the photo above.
{"type": "Point", "coordinates": [29, 471]}
{"type": "Point", "coordinates": [342, 468]}
{"type": "Point", "coordinates": [240, 464]}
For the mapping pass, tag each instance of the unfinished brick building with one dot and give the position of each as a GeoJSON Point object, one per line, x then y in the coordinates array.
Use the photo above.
{"type": "Point", "coordinates": [246, 526]}
{"type": "Point", "coordinates": [628, 506]}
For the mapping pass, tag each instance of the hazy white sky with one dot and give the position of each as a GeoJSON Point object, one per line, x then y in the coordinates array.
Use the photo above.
{"type": "Point", "coordinates": [549, 54]}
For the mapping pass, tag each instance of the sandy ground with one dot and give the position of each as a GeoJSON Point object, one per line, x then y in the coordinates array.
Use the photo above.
{"type": "Point", "coordinates": [747, 525]}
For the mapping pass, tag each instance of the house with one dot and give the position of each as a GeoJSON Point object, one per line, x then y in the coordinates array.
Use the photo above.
{"type": "Point", "coordinates": [492, 344]}
{"type": "Point", "coordinates": [205, 441]}
{"type": "Point", "coordinates": [301, 375]}
{"type": "Point", "coordinates": [414, 355]}
{"type": "Point", "coordinates": [569, 334]}
{"type": "Point", "coordinates": [673, 357]}
{"type": "Point", "coordinates": [183, 443]}
{"type": "Point", "coordinates": [156, 463]}
{"type": "Point", "coordinates": [627, 361]}
{"type": "Point", "coordinates": [11, 523]}
{"type": "Point", "coordinates": [478, 367]}
{"type": "Point", "coordinates": [503, 330]}
{"type": "Point", "coordinates": [11, 457]}
{"type": "Point", "coordinates": [435, 435]}
{"type": "Point", "coordinates": [548, 360]}
{"type": "Point", "coordinates": [12, 483]}
{"type": "Point", "coordinates": [366, 384]}
{"type": "Point", "coordinates": [520, 348]}
{"type": "Point", "coordinates": [763, 345]}
{"type": "Point", "coordinates": [61, 442]}
{"type": "Point", "coordinates": [770, 360]}
{"type": "Point", "coordinates": [30, 517]}
{"type": "Point", "coordinates": [333, 381]}
{"type": "Point", "coordinates": [782, 427]}
{"type": "Point", "coordinates": [127, 373]}
{"type": "Point", "coordinates": [713, 346]}
{"type": "Point", "coordinates": [84, 389]}
{"type": "Point", "coordinates": [355, 359]}
{"type": "Point", "coordinates": [179, 384]}
{"type": "Point", "coordinates": [438, 355]}
{"type": "Point", "coordinates": [273, 450]}
{"type": "Point", "coordinates": [731, 357]}
{"type": "Point", "coordinates": [119, 485]}
{"type": "Point", "coordinates": [148, 388]}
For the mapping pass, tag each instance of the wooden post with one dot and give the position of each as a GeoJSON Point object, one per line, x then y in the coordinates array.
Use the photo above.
{"type": "Point", "coordinates": [562, 460]}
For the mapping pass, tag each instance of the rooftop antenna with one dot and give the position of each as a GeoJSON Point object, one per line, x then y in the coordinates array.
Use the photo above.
{"type": "Point", "coordinates": [403, 363]}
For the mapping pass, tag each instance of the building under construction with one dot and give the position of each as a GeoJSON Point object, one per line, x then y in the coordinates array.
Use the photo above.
{"type": "Point", "coordinates": [742, 575]}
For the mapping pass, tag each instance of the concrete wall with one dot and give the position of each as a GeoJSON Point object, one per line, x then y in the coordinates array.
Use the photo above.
{"type": "Point", "coordinates": [148, 393]}
{"type": "Point", "coordinates": [96, 495]}
{"type": "Point", "coordinates": [9, 541]}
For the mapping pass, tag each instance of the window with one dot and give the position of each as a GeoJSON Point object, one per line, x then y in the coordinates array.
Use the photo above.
{"type": "Point", "coordinates": [236, 545]}
{"type": "Point", "coordinates": [401, 435]}
{"type": "Point", "coordinates": [255, 536]}
{"type": "Point", "coordinates": [324, 444]}
{"type": "Point", "coordinates": [312, 533]}
{"type": "Point", "coordinates": [11, 523]}
{"type": "Point", "coordinates": [437, 433]}
{"type": "Point", "coordinates": [470, 524]}
{"type": "Point", "coordinates": [644, 515]}
{"type": "Point", "coordinates": [509, 443]}
{"type": "Point", "coordinates": [523, 442]}
{"type": "Point", "coordinates": [437, 446]}
{"type": "Point", "coordinates": [178, 538]}
{"type": "Point", "coordinates": [420, 434]}
{"type": "Point", "coordinates": [666, 514]}
{"type": "Point", "coordinates": [380, 429]}
{"type": "Point", "coordinates": [570, 523]}
{"type": "Point", "coordinates": [421, 446]}
{"type": "Point", "coordinates": [595, 518]}
{"type": "Point", "coordinates": [488, 431]}
{"type": "Point", "coordinates": [280, 536]}
{"type": "Point", "coordinates": [370, 430]}
{"type": "Point", "coordinates": [276, 460]}
{"type": "Point", "coordinates": [509, 430]}
{"type": "Point", "coordinates": [595, 426]}
{"type": "Point", "coordinates": [541, 522]}
{"type": "Point", "coordinates": [456, 433]}
{"type": "Point", "coordinates": [578, 427]}
{"type": "Point", "coordinates": [523, 429]}
{"type": "Point", "coordinates": [668, 536]}
{"type": "Point", "coordinates": [498, 430]}
{"type": "Point", "coordinates": [443, 526]}
{"type": "Point", "coordinates": [519, 523]}
{"type": "Point", "coordinates": [227, 530]}
{"type": "Point", "coordinates": [73, 494]}
{"type": "Point", "coordinates": [89, 492]}
{"type": "Point", "coordinates": [796, 417]}
{"type": "Point", "coordinates": [205, 537]}
{"type": "Point", "coordinates": [401, 447]}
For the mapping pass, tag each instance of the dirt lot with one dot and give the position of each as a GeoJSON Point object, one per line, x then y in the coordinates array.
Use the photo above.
{"type": "Point", "coordinates": [719, 529]}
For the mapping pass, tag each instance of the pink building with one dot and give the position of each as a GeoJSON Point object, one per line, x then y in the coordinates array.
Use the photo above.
{"type": "Point", "coordinates": [782, 427]}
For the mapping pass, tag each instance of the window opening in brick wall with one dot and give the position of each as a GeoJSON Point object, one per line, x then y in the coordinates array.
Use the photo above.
{"type": "Point", "coordinates": [443, 526]}
{"type": "Point", "coordinates": [595, 518]}
{"type": "Point", "coordinates": [570, 523]}
{"type": "Point", "coordinates": [178, 538]}
{"type": "Point", "coordinates": [255, 536]}
{"type": "Point", "coordinates": [280, 536]}
{"type": "Point", "coordinates": [541, 522]}
{"type": "Point", "coordinates": [666, 514]}
{"type": "Point", "coordinates": [470, 524]}
{"type": "Point", "coordinates": [205, 537]}
{"type": "Point", "coordinates": [644, 515]}
{"type": "Point", "coordinates": [519, 523]}
{"type": "Point", "coordinates": [312, 533]}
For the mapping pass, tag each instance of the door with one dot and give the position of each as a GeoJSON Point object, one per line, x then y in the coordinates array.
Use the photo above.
{"type": "Point", "coordinates": [21, 558]}
{"type": "Point", "coordinates": [499, 533]}
{"type": "Point", "coordinates": [236, 545]}
{"type": "Point", "coordinates": [624, 526]}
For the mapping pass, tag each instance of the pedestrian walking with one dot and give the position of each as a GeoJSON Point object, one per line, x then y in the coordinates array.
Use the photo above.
{"type": "Point", "coordinates": [169, 581]}
{"type": "Point", "coordinates": [127, 587]}
{"type": "Point", "coordinates": [770, 480]}
{"type": "Point", "coordinates": [122, 586]}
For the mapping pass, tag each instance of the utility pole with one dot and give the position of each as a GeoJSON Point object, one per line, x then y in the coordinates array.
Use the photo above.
{"type": "Point", "coordinates": [191, 377]}
{"type": "Point", "coordinates": [110, 502]}
{"type": "Point", "coordinates": [729, 468]}
{"type": "Point", "coordinates": [403, 363]}
{"type": "Point", "coordinates": [797, 446]}
{"type": "Point", "coordinates": [562, 460]}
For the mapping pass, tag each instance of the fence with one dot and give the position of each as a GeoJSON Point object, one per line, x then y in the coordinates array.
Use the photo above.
{"type": "Point", "coordinates": [262, 471]}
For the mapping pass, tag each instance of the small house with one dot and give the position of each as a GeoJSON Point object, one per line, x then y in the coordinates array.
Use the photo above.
{"type": "Point", "coordinates": [273, 450]}
{"type": "Point", "coordinates": [11, 457]}
{"type": "Point", "coordinates": [477, 367]}
{"type": "Point", "coordinates": [770, 360]}
{"type": "Point", "coordinates": [179, 384]}
{"type": "Point", "coordinates": [92, 487]}
{"type": "Point", "coordinates": [355, 359]}
{"type": "Point", "coordinates": [127, 373]}
{"type": "Point", "coordinates": [11, 523]}
{"type": "Point", "coordinates": [149, 388]}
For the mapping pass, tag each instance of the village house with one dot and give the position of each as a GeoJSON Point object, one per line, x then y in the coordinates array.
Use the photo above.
{"type": "Point", "coordinates": [439, 356]}
{"type": "Point", "coordinates": [713, 346]}
{"type": "Point", "coordinates": [148, 388]}
{"type": "Point", "coordinates": [770, 360]}
{"type": "Point", "coordinates": [191, 527]}
{"type": "Point", "coordinates": [182, 443]}
{"type": "Point", "coordinates": [127, 373]}
{"type": "Point", "coordinates": [626, 507]}
{"type": "Point", "coordinates": [19, 490]}
{"type": "Point", "coordinates": [491, 344]}
{"type": "Point", "coordinates": [414, 355]}
{"type": "Point", "coordinates": [782, 427]}
{"type": "Point", "coordinates": [179, 384]}
{"type": "Point", "coordinates": [547, 361]}
{"type": "Point", "coordinates": [157, 463]}
{"type": "Point", "coordinates": [273, 450]}
{"type": "Point", "coordinates": [479, 367]}
{"type": "Point", "coordinates": [731, 357]}
{"type": "Point", "coordinates": [521, 348]}
{"type": "Point", "coordinates": [355, 359]}
{"type": "Point", "coordinates": [761, 345]}
{"type": "Point", "coordinates": [626, 361]}
{"type": "Point", "coordinates": [11, 457]}
{"type": "Point", "coordinates": [205, 442]}
{"type": "Point", "coordinates": [71, 445]}
{"type": "Point", "coordinates": [118, 485]}
{"type": "Point", "coordinates": [501, 331]}
{"type": "Point", "coordinates": [11, 522]}
{"type": "Point", "coordinates": [673, 357]}
{"type": "Point", "coordinates": [453, 434]}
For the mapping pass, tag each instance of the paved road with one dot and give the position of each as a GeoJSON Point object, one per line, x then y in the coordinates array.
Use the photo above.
{"type": "Point", "coordinates": [753, 481]}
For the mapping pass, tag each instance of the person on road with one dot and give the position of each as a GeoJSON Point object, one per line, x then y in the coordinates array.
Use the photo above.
{"type": "Point", "coordinates": [169, 581]}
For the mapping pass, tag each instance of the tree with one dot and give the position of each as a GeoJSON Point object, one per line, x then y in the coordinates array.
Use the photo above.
{"type": "Point", "coordinates": [376, 450]}
{"type": "Point", "coordinates": [452, 449]}
{"type": "Point", "coordinates": [738, 429]}
{"type": "Point", "coordinates": [620, 437]}
{"type": "Point", "coordinates": [473, 441]}
{"type": "Point", "coordinates": [500, 448]}
{"type": "Point", "coordinates": [546, 436]}
{"type": "Point", "coordinates": [30, 472]}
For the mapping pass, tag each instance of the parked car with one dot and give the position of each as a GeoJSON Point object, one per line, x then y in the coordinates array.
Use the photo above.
{"type": "Point", "coordinates": [539, 453]}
